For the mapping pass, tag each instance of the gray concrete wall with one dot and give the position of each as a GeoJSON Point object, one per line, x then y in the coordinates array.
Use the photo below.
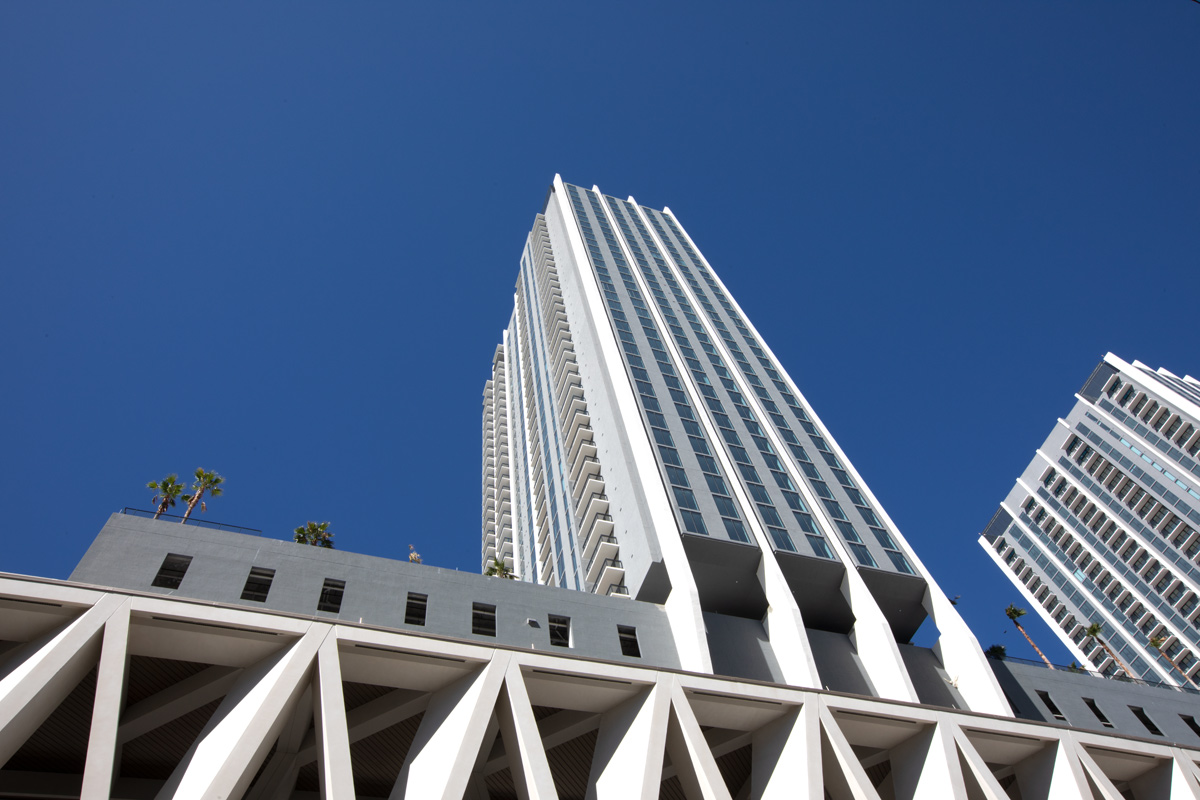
{"type": "Point", "coordinates": [1115, 699]}
{"type": "Point", "coordinates": [129, 551]}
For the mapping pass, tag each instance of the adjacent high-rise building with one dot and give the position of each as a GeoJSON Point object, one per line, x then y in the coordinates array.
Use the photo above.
{"type": "Point", "coordinates": [1101, 527]}
{"type": "Point", "coordinates": [640, 438]}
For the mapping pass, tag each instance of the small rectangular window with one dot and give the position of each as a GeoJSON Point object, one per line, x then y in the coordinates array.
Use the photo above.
{"type": "Point", "coordinates": [483, 619]}
{"type": "Point", "coordinates": [1191, 723]}
{"type": "Point", "coordinates": [331, 596]}
{"type": "Point", "coordinates": [629, 641]}
{"type": "Point", "coordinates": [1058, 715]}
{"type": "Point", "coordinates": [258, 584]}
{"type": "Point", "coordinates": [1090, 703]}
{"type": "Point", "coordinates": [171, 573]}
{"type": "Point", "coordinates": [560, 631]}
{"type": "Point", "coordinates": [414, 609]}
{"type": "Point", "coordinates": [1145, 720]}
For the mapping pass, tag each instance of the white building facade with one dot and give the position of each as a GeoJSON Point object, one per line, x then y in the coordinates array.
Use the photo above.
{"type": "Point", "coordinates": [1102, 525]}
{"type": "Point", "coordinates": [641, 439]}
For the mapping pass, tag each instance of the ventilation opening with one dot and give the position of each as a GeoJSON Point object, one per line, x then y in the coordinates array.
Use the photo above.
{"type": "Point", "coordinates": [1191, 723]}
{"type": "Point", "coordinates": [171, 573]}
{"type": "Point", "coordinates": [629, 641]}
{"type": "Point", "coordinates": [331, 596]}
{"type": "Point", "coordinates": [414, 610]}
{"type": "Point", "coordinates": [560, 631]}
{"type": "Point", "coordinates": [1058, 715]}
{"type": "Point", "coordinates": [1145, 720]}
{"type": "Point", "coordinates": [258, 584]}
{"type": "Point", "coordinates": [483, 619]}
{"type": "Point", "coordinates": [1090, 703]}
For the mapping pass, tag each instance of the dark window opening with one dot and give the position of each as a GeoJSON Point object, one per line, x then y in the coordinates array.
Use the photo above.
{"type": "Point", "coordinates": [1090, 703]}
{"type": "Point", "coordinates": [1058, 715]}
{"type": "Point", "coordinates": [1145, 720]}
{"type": "Point", "coordinates": [560, 631]}
{"type": "Point", "coordinates": [483, 619]}
{"type": "Point", "coordinates": [258, 584]}
{"type": "Point", "coordinates": [629, 641]}
{"type": "Point", "coordinates": [414, 610]}
{"type": "Point", "coordinates": [171, 573]}
{"type": "Point", "coordinates": [1191, 723]}
{"type": "Point", "coordinates": [331, 595]}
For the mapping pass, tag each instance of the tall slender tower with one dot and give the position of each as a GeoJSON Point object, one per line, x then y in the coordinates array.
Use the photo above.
{"type": "Point", "coordinates": [653, 446]}
{"type": "Point", "coordinates": [1101, 526]}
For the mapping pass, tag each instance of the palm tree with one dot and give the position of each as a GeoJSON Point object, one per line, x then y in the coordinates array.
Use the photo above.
{"type": "Point", "coordinates": [167, 490]}
{"type": "Point", "coordinates": [315, 533]}
{"type": "Point", "coordinates": [996, 651]}
{"type": "Point", "coordinates": [413, 556]}
{"type": "Point", "coordinates": [1015, 614]}
{"type": "Point", "coordinates": [1157, 642]}
{"type": "Point", "coordinates": [205, 482]}
{"type": "Point", "coordinates": [499, 569]}
{"type": "Point", "coordinates": [1093, 631]}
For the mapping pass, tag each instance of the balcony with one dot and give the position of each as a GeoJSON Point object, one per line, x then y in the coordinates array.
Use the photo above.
{"type": "Point", "coordinates": [618, 590]}
{"type": "Point", "coordinates": [601, 526]}
{"type": "Point", "coordinates": [591, 505]}
{"type": "Point", "coordinates": [606, 550]}
{"type": "Point", "coordinates": [593, 484]}
{"type": "Point", "coordinates": [612, 573]}
{"type": "Point", "coordinates": [582, 434]}
{"type": "Point", "coordinates": [583, 468]}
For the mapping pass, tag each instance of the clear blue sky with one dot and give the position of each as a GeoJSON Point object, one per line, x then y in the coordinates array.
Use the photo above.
{"type": "Point", "coordinates": [280, 240]}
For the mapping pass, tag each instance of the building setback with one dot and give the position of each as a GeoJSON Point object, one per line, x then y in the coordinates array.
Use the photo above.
{"type": "Point", "coordinates": [1101, 527]}
{"type": "Point", "coordinates": [181, 661]}
{"type": "Point", "coordinates": [641, 439]}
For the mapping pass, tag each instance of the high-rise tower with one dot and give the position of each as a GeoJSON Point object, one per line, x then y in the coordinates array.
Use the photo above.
{"type": "Point", "coordinates": [1101, 526]}
{"type": "Point", "coordinates": [640, 438]}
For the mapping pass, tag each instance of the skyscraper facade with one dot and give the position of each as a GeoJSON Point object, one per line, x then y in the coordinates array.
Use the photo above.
{"type": "Point", "coordinates": [1101, 527]}
{"type": "Point", "coordinates": [640, 438]}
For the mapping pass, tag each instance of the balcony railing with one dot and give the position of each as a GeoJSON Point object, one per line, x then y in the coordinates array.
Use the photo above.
{"type": "Point", "coordinates": [199, 523]}
{"type": "Point", "coordinates": [1082, 671]}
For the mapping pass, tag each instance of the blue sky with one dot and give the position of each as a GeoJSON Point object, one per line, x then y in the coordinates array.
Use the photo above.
{"type": "Point", "coordinates": [280, 240]}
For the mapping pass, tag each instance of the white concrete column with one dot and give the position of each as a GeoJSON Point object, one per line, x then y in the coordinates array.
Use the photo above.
{"type": "Point", "coordinates": [983, 777]}
{"type": "Point", "coordinates": [106, 709]}
{"type": "Point", "coordinates": [1053, 773]}
{"type": "Point", "coordinates": [926, 767]}
{"type": "Point", "coordinates": [690, 754]}
{"type": "Point", "coordinates": [522, 740]}
{"type": "Point", "coordinates": [47, 672]}
{"type": "Point", "coordinates": [223, 759]}
{"type": "Point", "coordinates": [783, 764]}
{"type": "Point", "coordinates": [874, 640]}
{"type": "Point", "coordinates": [444, 750]}
{"type": "Point", "coordinates": [848, 781]}
{"type": "Point", "coordinates": [1185, 778]}
{"type": "Point", "coordinates": [627, 763]}
{"type": "Point", "coordinates": [329, 717]}
{"type": "Point", "coordinates": [1100, 781]}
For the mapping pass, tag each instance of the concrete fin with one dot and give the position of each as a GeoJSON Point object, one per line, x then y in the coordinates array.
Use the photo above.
{"type": "Point", "coordinates": [522, 741]}
{"type": "Point", "coordinates": [231, 747]}
{"type": "Point", "coordinates": [780, 767]}
{"type": "Point", "coordinates": [106, 708]}
{"type": "Point", "coordinates": [690, 755]}
{"type": "Point", "coordinates": [979, 779]}
{"type": "Point", "coordinates": [926, 766]}
{"type": "Point", "coordinates": [449, 739]}
{"type": "Point", "coordinates": [844, 776]}
{"type": "Point", "coordinates": [48, 672]}
{"type": "Point", "coordinates": [630, 746]}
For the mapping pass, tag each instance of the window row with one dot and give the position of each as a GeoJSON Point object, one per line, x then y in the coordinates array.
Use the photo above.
{"type": "Point", "coordinates": [1175, 594]}
{"type": "Point", "coordinates": [1162, 419]}
{"type": "Point", "coordinates": [483, 615]}
{"type": "Point", "coordinates": [811, 473]}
